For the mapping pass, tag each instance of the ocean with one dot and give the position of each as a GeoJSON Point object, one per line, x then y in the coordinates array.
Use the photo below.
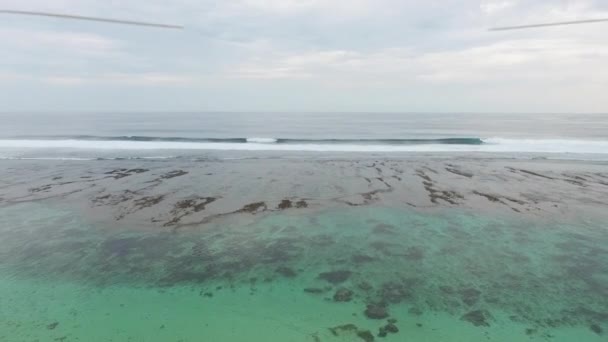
{"type": "Point", "coordinates": [192, 135]}
{"type": "Point", "coordinates": [307, 227]}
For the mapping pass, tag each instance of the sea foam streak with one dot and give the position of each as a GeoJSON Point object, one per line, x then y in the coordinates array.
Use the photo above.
{"type": "Point", "coordinates": [330, 145]}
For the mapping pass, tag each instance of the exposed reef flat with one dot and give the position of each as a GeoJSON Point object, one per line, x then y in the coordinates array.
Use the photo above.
{"type": "Point", "coordinates": [181, 194]}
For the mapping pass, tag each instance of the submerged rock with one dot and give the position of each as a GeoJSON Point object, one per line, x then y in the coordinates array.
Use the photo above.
{"type": "Point", "coordinates": [391, 328]}
{"type": "Point", "coordinates": [446, 289]}
{"type": "Point", "coordinates": [478, 318]}
{"type": "Point", "coordinates": [361, 258]}
{"type": "Point", "coordinates": [285, 204]}
{"type": "Point", "coordinates": [343, 295]}
{"type": "Point", "coordinates": [253, 207]}
{"type": "Point", "coordinates": [596, 329]}
{"type": "Point", "coordinates": [286, 272]}
{"type": "Point", "coordinates": [393, 292]}
{"type": "Point", "coordinates": [335, 277]}
{"type": "Point", "coordinates": [365, 286]}
{"type": "Point", "coordinates": [314, 290]}
{"type": "Point", "coordinates": [375, 311]}
{"type": "Point", "coordinates": [366, 336]}
{"type": "Point", "coordinates": [343, 328]}
{"type": "Point", "coordinates": [470, 296]}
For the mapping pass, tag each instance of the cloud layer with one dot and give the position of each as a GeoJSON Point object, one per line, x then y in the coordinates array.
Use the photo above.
{"type": "Point", "coordinates": [307, 55]}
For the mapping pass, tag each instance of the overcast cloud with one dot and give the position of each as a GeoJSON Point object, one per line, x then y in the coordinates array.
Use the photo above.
{"type": "Point", "coordinates": [307, 55]}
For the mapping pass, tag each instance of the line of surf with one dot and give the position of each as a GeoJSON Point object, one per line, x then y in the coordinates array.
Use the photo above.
{"type": "Point", "coordinates": [487, 145]}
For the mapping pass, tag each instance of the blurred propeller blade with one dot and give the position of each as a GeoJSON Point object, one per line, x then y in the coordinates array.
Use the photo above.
{"type": "Point", "coordinates": [80, 17]}
{"type": "Point", "coordinates": [574, 22]}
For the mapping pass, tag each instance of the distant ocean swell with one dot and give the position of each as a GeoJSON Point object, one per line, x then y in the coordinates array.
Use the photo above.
{"type": "Point", "coordinates": [452, 141]}
{"type": "Point", "coordinates": [454, 144]}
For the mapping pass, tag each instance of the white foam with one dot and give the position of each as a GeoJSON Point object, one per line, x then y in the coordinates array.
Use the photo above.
{"type": "Point", "coordinates": [262, 140]}
{"type": "Point", "coordinates": [490, 145]}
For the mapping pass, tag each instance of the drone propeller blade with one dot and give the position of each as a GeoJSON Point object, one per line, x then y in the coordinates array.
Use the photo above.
{"type": "Point", "coordinates": [575, 22]}
{"type": "Point", "coordinates": [79, 17]}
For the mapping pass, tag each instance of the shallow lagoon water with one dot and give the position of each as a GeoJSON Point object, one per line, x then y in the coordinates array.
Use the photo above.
{"type": "Point", "coordinates": [449, 275]}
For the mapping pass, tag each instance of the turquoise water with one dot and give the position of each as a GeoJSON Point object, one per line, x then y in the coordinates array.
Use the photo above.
{"type": "Point", "coordinates": [445, 276]}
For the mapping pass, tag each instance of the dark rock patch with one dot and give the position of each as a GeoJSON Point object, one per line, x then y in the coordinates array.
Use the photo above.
{"type": "Point", "coordinates": [41, 188]}
{"type": "Point", "coordinates": [489, 197]}
{"type": "Point", "coordinates": [365, 286]}
{"type": "Point", "coordinates": [366, 336]}
{"type": "Point", "coordinates": [187, 207]}
{"type": "Point", "coordinates": [173, 174]}
{"type": "Point", "coordinates": [286, 272]}
{"type": "Point", "coordinates": [335, 277]}
{"type": "Point", "coordinates": [337, 330]}
{"type": "Point", "coordinates": [424, 176]}
{"type": "Point", "coordinates": [391, 328]}
{"type": "Point", "coordinates": [415, 311]}
{"type": "Point", "coordinates": [446, 289]}
{"type": "Point", "coordinates": [147, 201]}
{"type": "Point", "coordinates": [393, 292]}
{"type": "Point", "coordinates": [285, 204]}
{"type": "Point", "coordinates": [361, 258]}
{"type": "Point", "coordinates": [196, 204]}
{"type": "Point", "coordinates": [478, 318]}
{"type": "Point", "coordinates": [138, 170]}
{"type": "Point", "coordinates": [470, 296]}
{"type": "Point", "coordinates": [314, 290]}
{"type": "Point", "coordinates": [530, 331]}
{"type": "Point", "coordinates": [534, 174]}
{"type": "Point", "coordinates": [343, 295]}
{"type": "Point", "coordinates": [596, 329]}
{"type": "Point", "coordinates": [375, 311]}
{"type": "Point", "coordinates": [253, 208]}
{"type": "Point", "coordinates": [459, 172]}
{"type": "Point", "coordinates": [414, 253]}
{"type": "Point", "coordinates": [383, 228]}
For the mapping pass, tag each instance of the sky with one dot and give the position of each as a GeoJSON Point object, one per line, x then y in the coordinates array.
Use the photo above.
{"type": "Point", "coordinates": [306, 55]}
